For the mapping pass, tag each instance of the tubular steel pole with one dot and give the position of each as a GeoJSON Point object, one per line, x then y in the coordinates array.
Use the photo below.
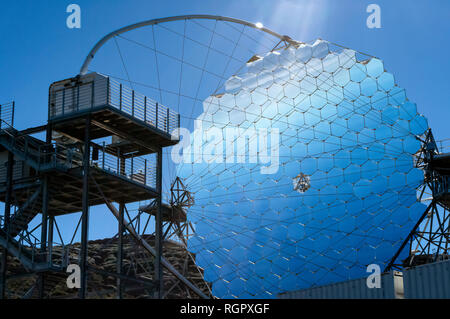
{"type": "Point", "coordinates": [410, 237]}
{"type": "Point", "coordinates": [85, 214]}
{"type": "Point", "coordinates": [120, 250]}
{"type": "Point", "coordinates": [158, 228]}
{"type": "Point", "coordinates": [44, 229]}
{"type": "Point", "coordinates": [7, 215]}
{"type": "Point", "coordinates": [51, 223]}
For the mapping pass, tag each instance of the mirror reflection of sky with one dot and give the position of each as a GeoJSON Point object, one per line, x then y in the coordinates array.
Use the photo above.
{"type": "Point", "coordinates": [344, 124]}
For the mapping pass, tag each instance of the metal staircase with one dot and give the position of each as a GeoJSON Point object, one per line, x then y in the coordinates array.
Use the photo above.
{"type": "Point", "coordinates": [24, 215]}
{"type": "Point", "coordinates": [35, 153]}
{"type": "Point", "coordinates": [27, 254]}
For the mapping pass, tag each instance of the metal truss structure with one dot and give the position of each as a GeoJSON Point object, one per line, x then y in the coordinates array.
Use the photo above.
{"type": "Point", "coordinates": [70, 172]}
{"type": "Point", "coordinates": [429, 240]}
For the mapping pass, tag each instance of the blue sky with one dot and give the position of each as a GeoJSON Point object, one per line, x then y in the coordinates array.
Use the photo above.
{"type": "Point", "coordinates": [37, 48]}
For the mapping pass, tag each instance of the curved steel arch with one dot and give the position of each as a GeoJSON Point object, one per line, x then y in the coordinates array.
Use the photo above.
{"type": "Point", "coordinates": [99, 44]}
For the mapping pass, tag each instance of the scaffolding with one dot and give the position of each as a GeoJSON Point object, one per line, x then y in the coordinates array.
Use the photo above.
{"type": "Point", "coordinates": [69, 172]}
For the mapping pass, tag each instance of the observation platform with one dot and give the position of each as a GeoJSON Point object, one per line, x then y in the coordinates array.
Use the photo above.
{"type": "Point", "coordinates": [65, 190]}
{"type": "Point", "coordinates": [123, 170]}
{"type": "Point", "coordinates": [122, 179]}
{"type": "Point", "coordinates": [139, 122]}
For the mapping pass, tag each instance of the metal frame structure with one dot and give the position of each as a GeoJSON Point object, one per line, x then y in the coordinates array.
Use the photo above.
{"type": "Point", "coordinates": [429, 240]}
{"type": "Point", "coordinates": [99, 44]}
{"type": "Point", "coordinates": [70, 174]}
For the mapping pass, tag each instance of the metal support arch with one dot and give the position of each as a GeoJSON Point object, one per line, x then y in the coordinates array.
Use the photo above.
{"type": "Point", "coordinates": [99, 44]}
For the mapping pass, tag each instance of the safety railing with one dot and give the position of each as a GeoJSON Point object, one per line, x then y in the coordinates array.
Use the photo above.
{"type": "Point", "coordinates": [42, 156]}
{"type": "Point", "coordinates": [66, 156]}
{"type": "Point", "coordinates": [18, 171]}
{"type": "Point", "coordinates": [142, 107]}
{"type": "Point", "coordinates": [140, 169]}
{"type": "Point", "coordinates": [444, 145]}
{"type": "Point", "coordinates": [7, 114]}
{"type": "Point", "coordinates": [35, 153]}
{"type": "Point", "coordinates": [27, 245]}
{"type": "Point", "coordinates": [106, 92]}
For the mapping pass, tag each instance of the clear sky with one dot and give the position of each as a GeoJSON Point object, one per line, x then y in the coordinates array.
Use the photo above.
{"type": "Point", "coordinates": [37, 48]}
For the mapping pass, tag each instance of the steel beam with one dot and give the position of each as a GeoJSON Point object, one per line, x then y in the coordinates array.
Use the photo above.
{"type": "Point", "coordinates": [33, 130]}
{"type": "Point", "coordinates": [6, 216]}
{"type": "Point", "coordinates": [85, 213]}
{"type": "Point", "coordinates": [51, 223]}
{"type": "Point", "coordinates": [120, 251]}
{"type": "Point", "coordinates": [159, 229]}
{"type": "Point", "coordinates": [408, 238]}
{"type": "Point", "coordinates": [124, 135]}
{"type": "Point", "coordinates": [44, 224]}
{"type": "Point", "coordinates": [44, 229]}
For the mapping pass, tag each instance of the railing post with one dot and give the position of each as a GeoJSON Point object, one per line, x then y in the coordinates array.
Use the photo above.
{"type": "Point", "coordinates": [167, 120]}
{"type": "Point", "coordinates": [156, 116]}
{"type": "Point", "coordinates": [93, 95]}
{"type": "Point", "coordinates": [14, 107]}
{"type": "Point", "coordinates": [108, 92]}
{"type": "Point", "coordinates": [179, 124]}
{"type": "Point", "coordinates": [103, 156]}
{"type": "Point", "coordinates": [132, 103]}
{"type": "Point", "coordinates": [78, 98]}
{"type": "Point", "coordinates": [145, 109]}
{"type": "Point", "coordinates": [145, 171]}
{"type": "Point", "coordinates": [120, 96]}
{"type": "Point", "coordinates": [132, 167]}
{"type": "Point", "coordinates": [63, 101]}
{"type": "Point", "coordinates": [118, 169]}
